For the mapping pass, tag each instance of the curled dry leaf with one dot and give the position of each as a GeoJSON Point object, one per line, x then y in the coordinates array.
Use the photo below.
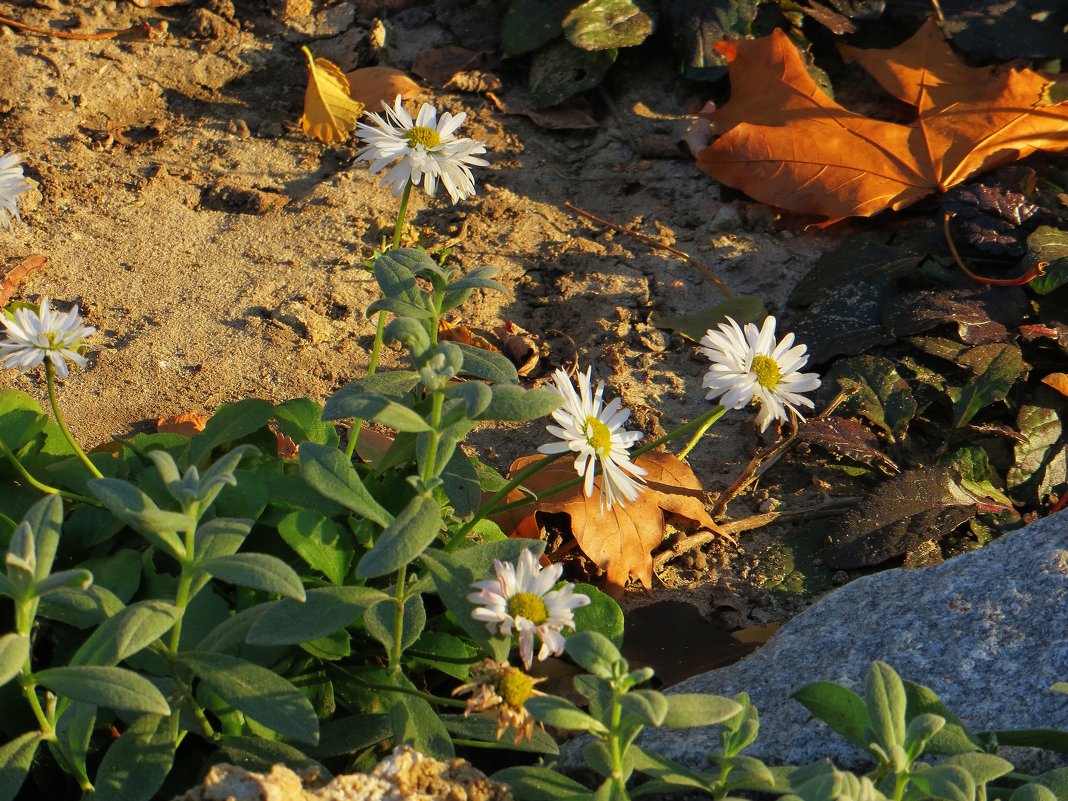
{"type": "Point", "coordinates": [370, 87]}
{"type": "Point", "coordinates": [1059, 381]}
{"type": "Point", "coordinates": [970, 119]}
{"type": "Point", "coordinates": [188, 424]}
{"type": "Point", "coordinates": [329, 113]}
{"type": "Point", "coordinates": [459, 333]}
{"type": "Point", "coordinates": [521, 347]}
{"type": "Point", "coordinates": [10, 279]}
{"type": "Point", "coordinates": [620, 540]}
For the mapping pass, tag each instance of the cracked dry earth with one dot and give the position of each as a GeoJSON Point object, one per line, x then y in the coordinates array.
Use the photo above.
{"type": "Point", "coordinates": [219, 252]}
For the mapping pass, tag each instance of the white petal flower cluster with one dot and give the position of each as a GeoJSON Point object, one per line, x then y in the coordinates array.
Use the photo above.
{"type": "Point", "coordinates": [595, 432]}
{"type": "Point", "coordinates": [32, 336]}
{"type": "Point", "coordinates": [522, 599]}
{"type": "Point", "coordinates": [426, 146]}
{"type": "Point", "coordinates": [751, 366]}
{"type": "Point", "coordinates": [12, 184]}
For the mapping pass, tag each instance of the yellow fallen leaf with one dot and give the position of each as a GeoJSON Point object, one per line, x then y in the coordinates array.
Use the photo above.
{"type": "Point", "coordinates": [329, 113]}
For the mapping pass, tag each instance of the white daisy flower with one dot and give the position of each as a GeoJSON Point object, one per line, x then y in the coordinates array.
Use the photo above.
{"type": "Point", "coordinates": [522, 599]}
{"type": "Point", "coordinates": [595, 432]}
{"type": "Point", "coordinates": [33, 335]}
{"type": "Point", "coordinates": [427, 149]}
{"type": "Point", "coordinates": [750, 365]}
{"type": "Point", "coordinates": [12, 184]}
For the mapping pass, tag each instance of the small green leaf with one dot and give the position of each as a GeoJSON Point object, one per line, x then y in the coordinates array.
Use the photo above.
{"type": "Point", "coordinates": [954, 737]}
{"type": "Point", "coordinates": [487, 365]}
{"type": "Point", "coordinates": [881, 395]}
{"type": "Point", "coordinates": [593, 651]}
{"type": "Point", "coordinates": [259, 693]}
{"type": "Point", "coordinates": [16, 757]}
{"type": "Point", "coordinates": [743, 309]}
{"type": "Point", "coordinates": [602, 614]}
{"type": "Point", "coordinates": [561, 70]}
{"type": "Point", "coordinates": [257, 753]}
{"type": "Point", "coordinates": [1050, 245]}
{"type": "Point", "coordinates": [127, 632]}
{"type": "Point", "coordinates": [528, 24]}
{"type": "Point", "coordinates": [21, 418]}
{"type": "Point", "coordinates": [1000, 366]}
{"type": "Point", "coordinates": [982, 768]}
{"type": "Point", "coordinates": [884, 697]}
{"type": "Point", "coordinates": [322, 543]}
{"type": "Point", "coordinates": [324, 611]}
{"type": "Point", "coordinates": [453, 581]}
{"type": "Point", "coordinates": [106, 686]}
{"type": "Point", "coordinates": [540, 784]}
{"type": "Point", "coordinates": [257, 571]}
{"type": "Point", "coordinates": [648, 706]}
{"type": "Point", "coordinates": [512, 402]}
{"type": "Point", "coordinates": [404, 539]}
{"type": "Point", "coordinates": [686, 710]}
{"type": "Point", "coordinates": [140, 512]}
{"type": "Point", "coordinates": [136, 764]}
{"type": "Point", "coordinates": [330, 473]}
{"type": "Point", "coordinates": [349, 735]}
{"type": "Point", "coordinates": [14, 651]}
{"type": "Point", "coordinates": [414, 722]}
{"type": "Point", "coordinates": [1032, 792]}
{"type": "Point", "coordinates": [563, 714]}
{"type": "Point", "coordinates": [946, 782]}
{"type": "Point", "coordinates": [840, 708]}
{"type": "Point", "coordinates": [380, 621]}
{"type": "Point", "coordinates": [231, 422]}
{"type": "Point", "coordinates": [364, 406]}
{"type": "Point", "coordinates": [301, 419]}
{"type": "Point", "coordinates": [604, 24]}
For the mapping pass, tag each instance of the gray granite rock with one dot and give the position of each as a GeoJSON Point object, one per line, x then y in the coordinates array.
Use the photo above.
{"type": "Point", "coordinates": [987, 631]}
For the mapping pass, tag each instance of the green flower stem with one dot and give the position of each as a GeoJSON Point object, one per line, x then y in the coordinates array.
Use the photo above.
{"type": "Point", "coordinates": [490, 506]}
{"type": "Point", "coordinates": [37, 485]}
{"type": "Point", "coordinates": [372, 368]}
{"type": "Point", "coordinates": [198, 713]}
{"type": "Point", "coordinates": [401, 213]}
{"type": "Point", "coordinates": [614, 751]}
{"type": "Point", "coordinates": [389, 688]}
{"type": "Point", "coordinates": [185, 579]}
{"type": "Point", "coordinates": [703, 422]}
{"type": "Point", "coordinates": [398, 621]}
{"type": "Point", "coordinates": [380, 324]}
{"type": "Point", "coordinates": [709, 418]}
{"type": "Point", "coordinates": [901, 781]}
{"type": "Point", "coordinates": [50, 379]}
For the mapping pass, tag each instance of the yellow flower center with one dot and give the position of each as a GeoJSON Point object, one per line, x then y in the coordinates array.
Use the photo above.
{"type": "Point", "coordinates": [528, 605]}
{"type": "Point", "coordinates": [421, 135]}
{"type": "Point", "coordinates": [515, 687]}
{"type": "Point", "coordinates": [598, 435]}
{"type": "Point", "coordinates": [767, 371]}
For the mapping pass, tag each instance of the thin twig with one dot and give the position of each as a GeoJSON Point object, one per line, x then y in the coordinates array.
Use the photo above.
{"type": "Point", "coordinates": [141, 27]}
{"type": "Point", "coordinates": [1032, 273]}
{"type": "Point", "coordinates": [766, 457]}
{"type": "Point", "coordinates": [10, 280]}
{"type": "Point", "coordinates": [656, 243]}
{"type": "Point", "coordinates": [833, 506]}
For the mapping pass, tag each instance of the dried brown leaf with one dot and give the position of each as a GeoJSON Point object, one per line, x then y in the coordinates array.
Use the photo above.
{"type": "Point", "coordinates": [10, 280]}
{"type": "Point", "coordinates": [372, 86]}
{"type": "Point", "coordinates": [1059, 381]}
{"type": "Point", "coordinates": [786, 143]}
{"type": "Point", "coordinates": [187, 424]}
{"type": "Point", "coordinates": [621, 540]}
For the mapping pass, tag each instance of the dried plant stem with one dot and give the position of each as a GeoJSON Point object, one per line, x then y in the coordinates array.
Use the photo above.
{"type": "Point", "coordinates": [1032, 272]}
{"type": "Point", "coordinates": [656, 243]}
{"type": "Point", "coordinates": [141, 27]}
{"type": "Point", "coordinates": [766, 457]}
{"type": "Point", "coordinates": [832, 507]}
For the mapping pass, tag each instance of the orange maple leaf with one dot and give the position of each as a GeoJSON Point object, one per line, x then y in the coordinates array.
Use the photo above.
{"type": "Point", "coordinates": [620, 540]}
{"type": "Point", "coordinates": [784, 142]}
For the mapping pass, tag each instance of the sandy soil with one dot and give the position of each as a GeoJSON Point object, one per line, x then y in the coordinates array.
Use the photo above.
{"type": "Point", "coordinates": [199, 300]}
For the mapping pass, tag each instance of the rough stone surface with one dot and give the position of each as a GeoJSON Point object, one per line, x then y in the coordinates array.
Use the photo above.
{"type": "Point", "coordinates": [406, 775]}
{"type": "Point", "coordinates": [987, 631]}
